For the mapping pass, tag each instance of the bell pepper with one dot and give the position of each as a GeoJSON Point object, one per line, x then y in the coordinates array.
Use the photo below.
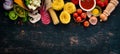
{"type": "Point", "coordinates": [12, 15]}
{"type": "Point", "coordinates": [76, 2]}
{"type": "Point", "coordinates": [102, 3]}
{"type": "Point", "coordinates": [20, 11]}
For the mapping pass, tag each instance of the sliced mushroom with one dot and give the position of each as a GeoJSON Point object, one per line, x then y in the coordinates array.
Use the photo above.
{"type": "Point", "coordinates": [35, 12]}
{"type": "Point", "coordinates": [34, 17]}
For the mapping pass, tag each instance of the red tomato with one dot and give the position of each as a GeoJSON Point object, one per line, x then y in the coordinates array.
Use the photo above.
{"type": "Point", "coordinates": [75, 15]}
{"type": "Point", "coordinates": [78, 19]}
{"type": "Point", "coordinates": [76, 2]}
{"type": "Point", "coordinates": [79, 11]}
{"type": "Point", "coordinates": [83, 15]}
{"type": "Point", "coordinates": [86, 24]}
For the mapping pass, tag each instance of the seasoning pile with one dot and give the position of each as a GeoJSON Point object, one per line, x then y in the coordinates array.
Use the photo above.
{"type": "Point", "coordinates": [45, 11]}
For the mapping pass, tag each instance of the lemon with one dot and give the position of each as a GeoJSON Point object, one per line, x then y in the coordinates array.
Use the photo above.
{"type": "Point", "coordinates": [65, 17]}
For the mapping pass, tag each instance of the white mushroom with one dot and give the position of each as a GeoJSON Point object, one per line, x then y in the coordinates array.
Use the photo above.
{"type": "Point", "coordinates": [34, 17]}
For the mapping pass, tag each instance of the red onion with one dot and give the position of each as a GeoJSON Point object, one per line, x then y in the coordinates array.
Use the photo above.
{"type": "Point", "coordinates": [8, 4]}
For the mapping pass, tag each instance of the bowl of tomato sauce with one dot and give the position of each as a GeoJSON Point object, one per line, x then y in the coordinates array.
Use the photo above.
{"type": "Point", "coordinates": [87, 5]}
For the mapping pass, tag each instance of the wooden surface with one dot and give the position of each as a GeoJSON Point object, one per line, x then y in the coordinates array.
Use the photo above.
{"type": "Point", "coordinates": [104, 38]}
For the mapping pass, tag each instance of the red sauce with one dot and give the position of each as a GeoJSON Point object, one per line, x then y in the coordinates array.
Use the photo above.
{"type": "Point", "coordinates": [87, 4]}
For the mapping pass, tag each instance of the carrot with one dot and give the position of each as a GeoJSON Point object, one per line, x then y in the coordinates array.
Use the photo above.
{"type": "Point", "coordinates": [20, 3]}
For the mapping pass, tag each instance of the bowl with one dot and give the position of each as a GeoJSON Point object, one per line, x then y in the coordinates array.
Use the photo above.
{"type": "Point", "coordinates": [99, 11]}
{"type": "Point", "coordinates": [91, 13]}
{"type": "Point", "coordinates": [80, 21]}
{"type": "Point", "coordinates": [87, 5]}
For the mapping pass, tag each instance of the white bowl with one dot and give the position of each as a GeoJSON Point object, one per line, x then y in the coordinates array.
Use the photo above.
{"type": "Point", "coordinates": [87, 9]}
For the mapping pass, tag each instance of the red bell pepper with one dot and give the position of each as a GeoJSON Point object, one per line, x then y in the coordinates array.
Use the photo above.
{"type": "Point", "coordinates": [76, 2]}
{"type": "Point", "coordinates": [102, 3]}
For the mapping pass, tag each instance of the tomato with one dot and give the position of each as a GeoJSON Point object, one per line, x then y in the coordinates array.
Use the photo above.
{"type": "Point", "coordinates": [76, 2]}
{"type": "Point", "coordinates": [79, 11]}
{"type": "Point", "coordinates": [75, 15]}
{"type": "Point", "coordinates": [83, 15]}
{"type": "Point", "coordinates": [86, 24]}
{"type": "Point", "coordinates": [78, 19]}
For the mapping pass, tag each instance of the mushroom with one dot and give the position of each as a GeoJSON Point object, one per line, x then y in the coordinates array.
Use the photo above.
{"type": "Point", "coordinates": [35, 17]}
{"type": "Point", "coordinates": [8, 4]}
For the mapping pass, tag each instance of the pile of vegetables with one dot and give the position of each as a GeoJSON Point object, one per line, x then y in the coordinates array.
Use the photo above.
{"type": "Point", "coordinates": [105, 6]}
{"type": "Point", "coordinates": [45, 10]}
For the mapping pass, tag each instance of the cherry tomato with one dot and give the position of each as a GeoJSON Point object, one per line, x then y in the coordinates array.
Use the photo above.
{"type": "Point", "coordinates": [79, 11]}
{"type": "Point", "coordinates": [83, 15]}
{"type": "Point", "coordinates": [86, 24]}
{"type": "Point", "coordinates": [78, 19]}
{"type": "Point", "coordinates": [75, 15]}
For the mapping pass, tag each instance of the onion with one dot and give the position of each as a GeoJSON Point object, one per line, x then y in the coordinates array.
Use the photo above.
{"type": "Point", "coordinates": [7, 7]}
{"type": "Point", "coordinates": [8, 4]}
